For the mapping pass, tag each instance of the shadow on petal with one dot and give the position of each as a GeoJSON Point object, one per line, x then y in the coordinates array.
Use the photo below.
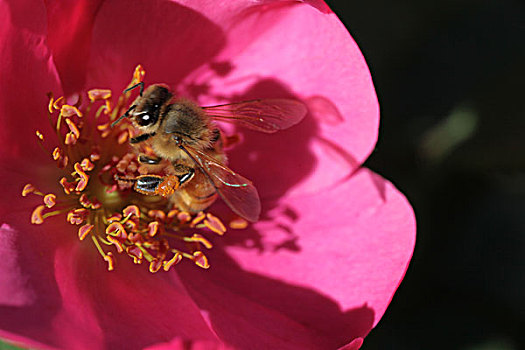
{"type": "Point", "coordinates": [249, 310]}
{"type": "Point", "coordinates": [168, 39]}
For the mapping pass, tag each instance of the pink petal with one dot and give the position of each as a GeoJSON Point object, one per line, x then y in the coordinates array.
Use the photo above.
{"type": "Point", "coordinates": [292, 49]}
{"type": "Point", "coordinates": [70, 25]}
{"type": "Point", "coordinates": [62, 295]}
{"type": "Point", "coordinates": [319, 275]}
{"type": "Point", "coordinates": [27, 73]}
{"type": "Point", "coordinates": [235, 51]}
{"type": "Point", "coordinates": [168, 39]}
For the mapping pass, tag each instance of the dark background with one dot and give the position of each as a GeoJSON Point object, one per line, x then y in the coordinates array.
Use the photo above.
{"type": "Point", "coordinates": [449, 76]}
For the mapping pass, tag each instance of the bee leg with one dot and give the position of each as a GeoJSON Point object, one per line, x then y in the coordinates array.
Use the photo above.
{"type": "Point", "coordinates": [141, 138]}
{"type": "Point", "coordinates": [183, 172]}
{"type": "Point", "coordinates": [148, 160]}
{"type": "Point", "coordinates": [186, 177]}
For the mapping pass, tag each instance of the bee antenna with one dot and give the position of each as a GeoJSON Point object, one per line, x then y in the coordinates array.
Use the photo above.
{"type": "Point", "coordinates": [125, 115]}
{"type": "Point", "coordinates": [141, 84]}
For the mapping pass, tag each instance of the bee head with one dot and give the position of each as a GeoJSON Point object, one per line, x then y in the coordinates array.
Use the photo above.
{"type": "Point", "coordinates": [149, 105]}
{"type": "Point", "coordinates": [146, 109]}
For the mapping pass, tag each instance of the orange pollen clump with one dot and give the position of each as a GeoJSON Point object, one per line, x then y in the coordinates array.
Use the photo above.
{"type": "Point", "coordinates": [117, 220]}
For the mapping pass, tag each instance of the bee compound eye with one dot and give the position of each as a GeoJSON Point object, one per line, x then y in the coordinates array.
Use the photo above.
{"type": "Point", "coordinates": [144, 119]}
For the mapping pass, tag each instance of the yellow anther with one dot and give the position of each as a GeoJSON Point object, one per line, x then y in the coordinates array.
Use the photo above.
{"type": "Point", "coordinates": [153, 228]}
{"type": "Point", "coordinates": [29, 188]}
{"type": "Point", "coordinates": [117, 230]}
{"type": "Point", "coordinates": [173, 261]}
{"type": "Point", "coordinates": [155, 265]}
{"type": "Point", "coordinates": [99, 94]}
{"type": "Point", "coordinates": [84, 230]}
{"type": "Point", "coordinates": [87, 165]}
{"type": "Point", "coordinates": [110, 260]}
{"type": "Point", "coordinates": [39, 135]}
{"type": "Point", "coordinates": [50, 104]}
{"type": "Point", "coordinates": [116, 243]}
{"type": "Point", "coordinates": [71, 139]}
{"type": "Point", "coordinates": [184, 217]}
{"type": "Point", "coordinates": [123, 137]}
{"type": "Point", "coordinates": [200, 239]}
{"type": "Point", "coordinates": [84, 178]}
{"type": "Point", "coordinates": [73, 128]}
{"type": "Point", "coordinates": [214, 224]}
{"type": "Point", "coordinates": [138, 75]}
{"type": "Point", "coordinates": [131, 210]}
{"type": "Point", "coordinates": [200, 216]}
{"type": "Point", "coordinates": [50, 200]}
{"type": "Point", "coordinates": [238, 224]}
{"type": "Point", "coordinates": [36, 216]}
{"type": "Point", "coordinates": [57, 153]}
{"type": "Point", "coordinates": [67, 111]}
{"type": "Point", "coordinates": [58, 103]}
{"type": "Point", "coordinates": [200, 259]}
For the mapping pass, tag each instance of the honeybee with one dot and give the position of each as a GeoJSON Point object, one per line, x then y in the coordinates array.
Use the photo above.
{"type": "Point", "coordinates": [186, 136]}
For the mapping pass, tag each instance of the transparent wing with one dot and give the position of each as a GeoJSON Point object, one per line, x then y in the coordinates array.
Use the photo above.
{"type": "Point", "coordinates": [266, 115]}
{"type": "Point", "coordinates": [237, 192]}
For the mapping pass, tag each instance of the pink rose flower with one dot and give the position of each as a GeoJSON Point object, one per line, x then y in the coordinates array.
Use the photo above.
{"type": "Point", "coordinates": [333, 242]}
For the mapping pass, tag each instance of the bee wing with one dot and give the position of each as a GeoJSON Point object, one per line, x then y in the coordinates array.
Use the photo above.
{"type": "Point", "coordinates": [237, 192]}
{"type": "Point", "coordinates": [266, 115]}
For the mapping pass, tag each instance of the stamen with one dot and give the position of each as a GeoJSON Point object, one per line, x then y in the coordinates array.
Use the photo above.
{"type": "Point", "coordinates": [67, 111]}
{"type": "Point", "coordinates": [173, 261]}
{"type": "Point", "coordinates": [50, 200]}
{"type": "Point", "coordinates": [39, 135]}
{"type": "Point", "coordinates": [99, 94]}
{"type": "Point", "coordinates": [29, 188]}
{"type": "Point", "coordinates": [238, 224]}
{"type": "Point", "coordinates": [84, 230]}
{"type": "Point", "coordinates": [110, 260]}
{"type": "Point", "coordinates": [111, 212]}
{"type": "Point", "coordinates": [84, 178]}
{"type": "Point", "coordinates": [36, 216]}
{"type": "Point", "coordinates": [214, 224]}
{"type": "Point", "coordinates": [200, 259]}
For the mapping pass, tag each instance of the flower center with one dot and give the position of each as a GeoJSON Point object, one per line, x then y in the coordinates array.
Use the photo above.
{"type": "Point", "coordinates": [109, 213]}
